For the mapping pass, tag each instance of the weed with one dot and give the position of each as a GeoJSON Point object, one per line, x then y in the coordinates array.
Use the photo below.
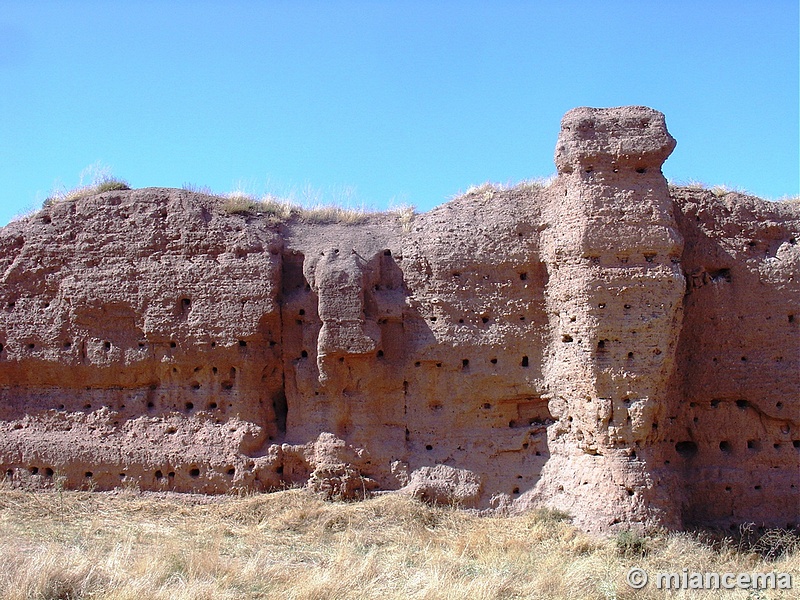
{"type": "Point", "coordinates": [131, 486]}
{"type": "Point", "coordinates": [777, 543]}
{"type": "Point", "coordinates": [101, 180]}
{"type": "Point", "coordinates": [694, 184]}
{"type": "Point", "coordinates": [631, 543]}
{"type": "Point", "coordinates": [537, 183]}
{"type": "Point", "coordinates": [239, 205]}
{"type": "Point", "coordinates": [488, 189]}
{"type": "Point", "coordinates": [770, 544]}
{"type": "Point", "coordinates": [197, 189]}
{"type": "Point", "coordinates": [281, 210]}
{"type": "Point", "coordinates": [551, 515]}
{"type": "Point", "coordinates": [110, 185]}
{"type": "Point", "coordinates": [275, 207]}
{"type": "Point", "coordinates": [324, 214]}
{"type": "Point", "coordinates": [59, 484]}
{"type": "Point", "coordinates": [720, 190]}
{"type": "Point", "coordinates": [405, 214]}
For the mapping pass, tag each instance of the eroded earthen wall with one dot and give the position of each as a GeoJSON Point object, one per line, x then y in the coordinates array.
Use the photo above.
{"type": "Point", "coordinates": [735, 405]}
{"type": "Point", "coordinates": [605, 345]}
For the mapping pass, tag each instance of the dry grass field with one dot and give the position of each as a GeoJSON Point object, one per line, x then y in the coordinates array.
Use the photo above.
{"type": "Point", "coordinates": [292, 545]}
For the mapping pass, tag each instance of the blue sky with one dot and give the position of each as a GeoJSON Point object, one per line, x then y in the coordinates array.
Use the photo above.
{"type": "Point", "coordinates": [384, 102]}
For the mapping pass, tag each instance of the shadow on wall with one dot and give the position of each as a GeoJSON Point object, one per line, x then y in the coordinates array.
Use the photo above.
{"type": "Point", "coordinates": [404, 394]}
{"type": "Point", "coordinates": [736, 409]}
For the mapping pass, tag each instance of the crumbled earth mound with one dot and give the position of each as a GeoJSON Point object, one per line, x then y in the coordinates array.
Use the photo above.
{"type": "Point", "coordinates": [606, 345]}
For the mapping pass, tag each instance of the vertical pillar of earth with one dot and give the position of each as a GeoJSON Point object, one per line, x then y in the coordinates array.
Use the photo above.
{"type": "Point", "coordinates": [614, 297]}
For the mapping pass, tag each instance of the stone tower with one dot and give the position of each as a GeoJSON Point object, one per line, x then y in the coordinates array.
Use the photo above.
{"type": "Point", "coordinates": [614, 298]}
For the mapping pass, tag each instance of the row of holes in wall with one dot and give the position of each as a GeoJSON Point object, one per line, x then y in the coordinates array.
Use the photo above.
{"type": "Point", "coordinates": [602, 346]}
{"type": "Point", "coordinates": [689, 449]}
{"type": "Point", "coordinates": [484, 319]}
{"type": "Point", "coordinates": [590, 169]}
{"type": "Point", "coordinates": [538, 421]}
{"type": "Point", "coordinates": [566, 338]}
{"type": "Point", "coordinates": [754, 445]}
{"type": "Point", "coordinates": [753, 243]}
{"type": "Point", "coordinates": [615, 169]}
{"type": "Point", "coordinates": [225, 385]}
{"type": "Point", "coordinates": [602, 349]}
{"type": "Point", "coordinates": [740, 404]}
{"type": "Point", "coordinates": [623, 259]}
{"type": "Point", "coordinates": [719, 274]}
{"type": "Point", "coordinates": [188, 407]}
{"type": "Point", "coordinates": [790, 318]}
{"type": "Point", "coordinates": [48, 472]}
{"type": "Point", "coordinates": [524, 362]}
{"type": "Point", "coordinates": [523, 276]}
{"type": "Point", "coordinates": [107, 345]}
{"type": "Point", "coordinates": [525, 445]}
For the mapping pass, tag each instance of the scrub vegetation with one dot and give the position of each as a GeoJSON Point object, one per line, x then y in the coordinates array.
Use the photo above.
{"type": "Point", "coordinates": [61, 545]}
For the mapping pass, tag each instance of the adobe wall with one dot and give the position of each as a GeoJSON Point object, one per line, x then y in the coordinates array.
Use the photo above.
{"type": "Point", "coordinates": [606, 345]}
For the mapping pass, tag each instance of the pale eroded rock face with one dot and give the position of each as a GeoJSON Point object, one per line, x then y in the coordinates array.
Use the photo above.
{"type": "Point", "coordinates": [607, 345]}
{"type": "Point", "coordinates": [614, 298]}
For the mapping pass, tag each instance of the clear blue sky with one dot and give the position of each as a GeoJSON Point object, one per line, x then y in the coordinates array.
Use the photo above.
{"type": "Point", "coordinates": [395, 101]}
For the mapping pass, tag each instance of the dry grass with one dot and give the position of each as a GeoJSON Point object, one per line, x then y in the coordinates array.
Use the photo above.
{"type": "Point", "coordinates": [110, 185]}
{"type": "Point", "coordinates": [322, 213]}
{"type": "Point", "coordinates": [723, 190]}
{"type": "Point", "coordinates": [101, 180]}
{"type": "Point", "coordinates": [537, 182]}
{"type": "Point", "coordinates": [405, 214]}
{"type": "Point", "coordinates": [692, 184]}
{"type": "Point", "coordinates": [105, 185]}
{"type": "Point", "coordinates": [488, 189]}
{"type": "Point", "coordinates": [718, 190]}
{"type": "Point", "coordinates": [197, 189]}
{"type": "Point", "coordinates": [237, 204]}
{"type": "Point", "coordinates": [241, 204]}
{"type": "Point", "coordinates": [71, 545]}
{"type": "Point", "coordinates": [282, 210]}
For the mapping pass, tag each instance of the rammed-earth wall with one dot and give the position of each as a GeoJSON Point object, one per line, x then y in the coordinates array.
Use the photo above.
{"type": "Point", "coordinates": [606, 345]}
